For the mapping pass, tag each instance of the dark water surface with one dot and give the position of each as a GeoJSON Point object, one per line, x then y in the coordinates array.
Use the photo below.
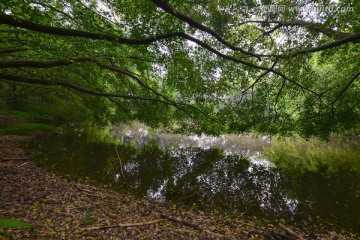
{"type": "Point", "coordinates": [227, 178]}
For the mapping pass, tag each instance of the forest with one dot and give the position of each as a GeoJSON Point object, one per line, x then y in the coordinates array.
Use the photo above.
{"type": "Point", "coordinates": [208, 103]}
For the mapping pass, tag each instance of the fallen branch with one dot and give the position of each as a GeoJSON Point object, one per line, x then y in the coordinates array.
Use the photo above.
{"type": "Point", "coordinates": [288, 230]}
{"type": "Point", "coordinates": [122, 225]}
{"type": "Point", "coordinates": [179, 220]}
{"type": "Point", "coordinates": [88, 192]}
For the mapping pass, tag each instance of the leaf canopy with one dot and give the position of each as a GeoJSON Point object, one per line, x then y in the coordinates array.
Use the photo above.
{"type": "Point", "coordinates": [202, 66]}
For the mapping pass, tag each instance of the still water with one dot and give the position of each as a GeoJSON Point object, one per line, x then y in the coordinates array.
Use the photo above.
{"type": "Point", "coordinates": [227, 173]}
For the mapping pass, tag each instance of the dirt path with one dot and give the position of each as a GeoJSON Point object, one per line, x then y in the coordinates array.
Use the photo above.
{"type": "Point", "coordinates": [61, 209]}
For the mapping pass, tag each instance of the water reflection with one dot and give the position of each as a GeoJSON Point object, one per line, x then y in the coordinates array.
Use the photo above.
{"type": "Point", "coordinates": [246, 145]}
{"type": "Point", "coordinates": [208, 173]}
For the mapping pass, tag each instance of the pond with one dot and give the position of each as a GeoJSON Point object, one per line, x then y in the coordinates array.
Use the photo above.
{"type": "Point", "coordinates": [227, 173]}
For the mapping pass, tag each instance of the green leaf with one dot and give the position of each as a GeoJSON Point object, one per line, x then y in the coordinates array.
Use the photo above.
{"type": "Point", "coordinates": [10, 223]}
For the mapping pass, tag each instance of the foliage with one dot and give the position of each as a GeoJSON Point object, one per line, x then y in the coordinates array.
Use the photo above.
{"type": "Point", "coordinates": [204, 66]}
{"type": "Point", "coordinates": [300, 156]}
{"type": "Point", "coordinates": [10, 223]}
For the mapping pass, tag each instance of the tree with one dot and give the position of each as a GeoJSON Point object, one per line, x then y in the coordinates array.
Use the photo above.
{"type": "Point", "coordinates": [210, 66]}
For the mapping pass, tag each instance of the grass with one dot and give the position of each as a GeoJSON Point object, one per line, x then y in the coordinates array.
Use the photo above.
{"type": "Point", "coordinates": [24, 128]}
{"type": "Point", "coordinates": [23, 115]}
{"type": "Point", "coordinates": [23, 123]}
{"type": "Point", "coordinates": [326, 158]}
{"type": "Point", "coordinates": [10, 223]}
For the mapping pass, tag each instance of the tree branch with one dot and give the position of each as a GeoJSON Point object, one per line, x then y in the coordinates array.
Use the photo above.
{"type": "Point", "coordinates": [352, 80]}
{"type": "Point", "coordinates": [54, 9]}
{"type": "Point", "coordinates": [172, 11]}
{"type": "Point", "coordinates": [117, 103]}
{"type": "Point", "coordinates": [42, 64]}
{"type": "Point", "coordinates": [341, 37]}
{"type": "Point", "coordinates": [351, 38]}
{"type": "Point", "coordinates": [63, 83]}
{"type": "Point", "coordinates": [6, 19]}
{"type": "Point", "coordinates": [132, 75]}
{"type": "Point", "coordinates": [12, 49]}
{"type": "Point", "coordinates": [17, 22]}
{"type": "Point", "coordinates": [314, 27]}
{"type": "Point", "coordinates": [252, 85]}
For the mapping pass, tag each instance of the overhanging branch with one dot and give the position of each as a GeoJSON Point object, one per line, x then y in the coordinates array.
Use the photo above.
{"type": "Point", "coordinates": [313, 27]}
{"type": "Point", "coordinates": [352, 38]}
{"type": "Point", "coordinates": [42, 64]}
{"type": "Point", "coordinates": [63, 83]}
{"type": "Point", "coordinates": [12, 50]}
{"type": "Point", "coordinates": [172, 11]}
{"type": "Point", "coordinates": [10, 20]}
{"type": "Point", "coordinates": [110, 96]}
{"type": "Point", "coordinates": [17, 22]}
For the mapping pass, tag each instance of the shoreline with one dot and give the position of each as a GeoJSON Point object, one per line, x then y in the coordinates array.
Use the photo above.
{"type": "Point", "coordinates": [58, 208]}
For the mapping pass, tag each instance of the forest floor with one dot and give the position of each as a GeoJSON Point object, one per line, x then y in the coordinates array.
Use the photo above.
{"type": "Point", "coordinates": [59, 208]}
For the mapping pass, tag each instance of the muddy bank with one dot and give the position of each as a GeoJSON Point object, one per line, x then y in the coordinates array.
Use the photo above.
{"type": "Point", "coordinates": [58, 208]}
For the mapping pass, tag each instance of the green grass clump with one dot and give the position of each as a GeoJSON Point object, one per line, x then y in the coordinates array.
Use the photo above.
{"type": "Point", "coordinates": [10, 223]}
{"type": "Point", "coordinates": [24, 128]}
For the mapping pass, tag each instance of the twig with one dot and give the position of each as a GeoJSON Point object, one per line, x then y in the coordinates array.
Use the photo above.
{"type": "Point", "coordinates": [122, 225]}
{"type": "Point", "coordinates": [88, 192]}
{"type": "Point", "coordinates": [25, 228]}
{"type": "Point", "coordinates": [288, 230]}
{"type": "Point", "coordinates": [24, 164]}
{"type": "Point", "coordinates": [121, 166]}
{"type": "Point", "coordinates": [12, 210]}
{"type": "Point", "coordinates": [179, 220]}
{"type": "Point", "coordinates": [64, 213]}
